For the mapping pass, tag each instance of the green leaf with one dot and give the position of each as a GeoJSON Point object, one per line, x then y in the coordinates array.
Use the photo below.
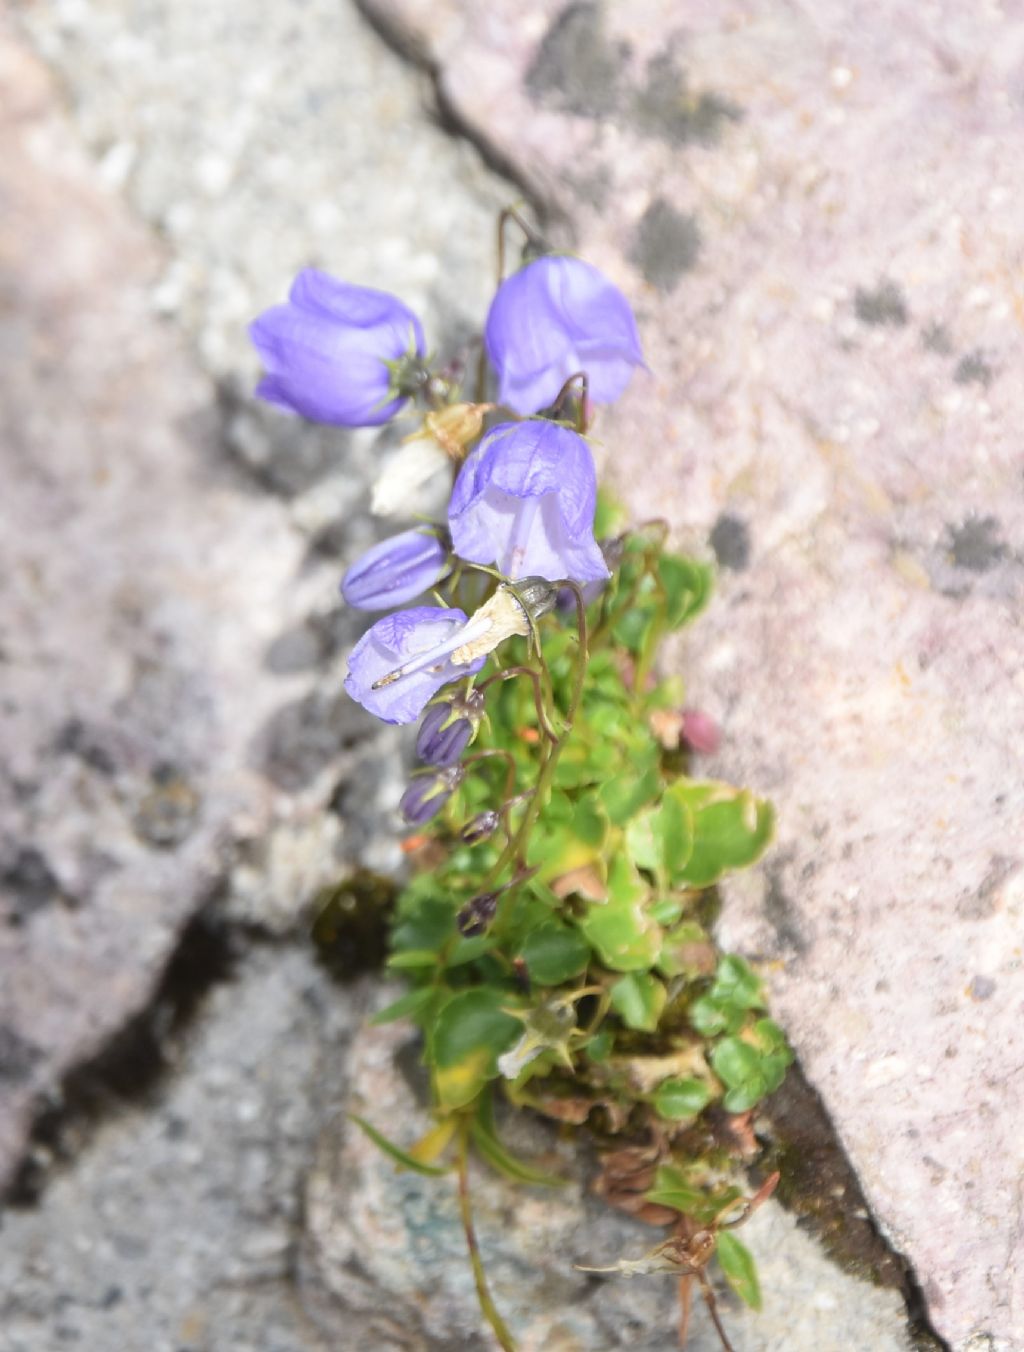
{"type": "Point", "coordinates": [426, 922]}
{"type": "Point", "coordinates": [413, 957]}
{"type": "Point", "coordinates": [599, 1047]}
{"type": "Point", "coordinates": [405, 1006]}
{"type": "Point", "coordinates": [736, 983]}
{"type": "Point", "coordinates": [624, 935]}
{"type": "Point", "coordinates": [485, 1139]}
{"type": "Point", "coordinates": [554, 953]}
{"type": "Point", "coordinates": [624, 795]}
{"type": "Point", "coordinates": [731, 829]}
{"type": "Point", "coordinates": [735, 1062]}
{"type": "Point", "coordinates": [674, 1189]}
{"type": "Point", "coordinates": [674, 827]}
{"type": "Point", "coordinates": [688, 586]}
{"type": "Point", "coordinates": [569, 845]}
{"type": "Point", "coordinates": [639, 998]}
{"type": "Point", "coordinates": [745, 1096]}
{"type": "Point", "coordinates": [666, 910]}
{"type": "Point", "coordinates": [396, 1153]}
{"type": "Point", "coordinates": [710, 1019]}
{"type": "Point", "coordinates": [470, 1032]}
{"type": "Point", "coordinates": [687, 951]}
{"type": "Point", "coordinates": [660, 839]}
{"type": "Point", "coordinates": [740, 1271]}
{"type": "Point", "coordinates": [681, 1098]}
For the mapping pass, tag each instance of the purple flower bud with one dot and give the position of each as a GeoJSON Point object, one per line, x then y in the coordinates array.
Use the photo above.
{"type": "Point", "coordinates": [327, 351]}
{"type": "Point", "coordinates": [443, 735]}
{"type": "Point", "coordinates": [395, 571]}
{"type": "Point", "coordinates": [480, 827]}
{"type": "Point", "coordinates": [524, 501]}
{"type": "Point", "coordinates": [552, 318]}
{"type": "Point", "coordinates": [403, 660]}
{"type": "Point", "coordinates": [427, 795]}
{"type": "Point", "coordinates": [475, 917]}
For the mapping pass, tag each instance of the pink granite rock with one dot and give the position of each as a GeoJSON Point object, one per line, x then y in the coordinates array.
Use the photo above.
{"type": "Point", "coordinates": [141, 584]}
{"type": "Point", "coordinates": [816, 210]}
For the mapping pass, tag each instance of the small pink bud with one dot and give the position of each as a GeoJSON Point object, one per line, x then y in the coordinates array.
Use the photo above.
{"type": "Point", "coordinates": [700, 732]}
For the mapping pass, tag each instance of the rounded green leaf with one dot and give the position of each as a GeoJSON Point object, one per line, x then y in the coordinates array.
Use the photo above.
{"type": "Point", "coordinates": [624, 935]}
{"type": "Point", "coordinates": [681, 1098]}
{"type": "Point", "coordinates": [736, 983]}
{"type": "Point", "coordinates": [471, 1031]}
{"type": "Point", "coordinates": [554, 953]}
{"type": "Point", "coordinates": [729, 832]}
{"type": "Point", "coordinates": [639, 999]}
{"type": "Point", "coordinates": [735, 1062]}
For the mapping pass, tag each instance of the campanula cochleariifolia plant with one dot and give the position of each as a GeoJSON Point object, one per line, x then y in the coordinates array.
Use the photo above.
{"type": "Point", "coordinates": [560, 953]}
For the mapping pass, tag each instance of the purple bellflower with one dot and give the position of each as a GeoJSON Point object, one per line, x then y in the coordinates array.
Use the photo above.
{"type": "Point", "coordinates": [395, 571]}
{"type": "Point", "coordinates": [525, 500]}
{"type": "Point", "coordinates": [331, 351]}
{"type": "Point", "coordinates": [402, 661]}
{"type": "Point", "coordinates": [552, 318]}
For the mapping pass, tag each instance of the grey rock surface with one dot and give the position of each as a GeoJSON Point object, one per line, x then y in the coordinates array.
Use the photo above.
{"type": "Point", "coordinates": [180, 1226]}
{"type": "Point", "coordinates": [132, 618]}
{"type": "Point", "coordinates": [814, 210]}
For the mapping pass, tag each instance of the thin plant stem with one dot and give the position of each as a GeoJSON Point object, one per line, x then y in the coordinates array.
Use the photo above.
{"type": "Point", "coordinates": [483, 1295]}
{"type": "Point", "coordinates": [516, 846]}
{"type": "Point", "coordinates": [709, 1300]}
{"type": "Point", "coordinates": [506, 675]}
{"type": "Point", "coordinates": [577, 378]}
{"type": "Point", "coordinates": [491, 754]}
{"type": "Point", "coordinates": [506, 215]}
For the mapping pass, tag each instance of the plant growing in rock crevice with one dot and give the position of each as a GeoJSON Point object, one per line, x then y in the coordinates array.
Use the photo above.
{"type": "Point", "coordinates": [556, 931]}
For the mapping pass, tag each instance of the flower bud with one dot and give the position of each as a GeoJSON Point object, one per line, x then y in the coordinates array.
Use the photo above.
{"type": "Point", "coordinates": [454, 427]}
{"type": "Point", "coordinates": [480, 827]}
{"type": "Point", "coordinates": [700, 732]}
{"type": "Point", "coordinates": [475, 917]}
{"type": "Point", "coordinates": [427, 795]}
{"type": "Point", "coordinates": [443, 735]}
{"type": "Point", "coordinates": [537, 594]}
{"type": "Point", "coordinates": [395, 571]}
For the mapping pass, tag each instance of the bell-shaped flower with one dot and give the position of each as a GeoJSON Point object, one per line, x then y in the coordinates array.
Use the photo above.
{"type": "Point", "coordinates": [402, 661]}
{"type": "Point", "coordinates": [338, 353]}
{"type": "Point", "coordinates": [395, 571]}
{"type": "Point", "coordinates": [525, 500]}
{"type": "Point", "coordinates": [554, 317]}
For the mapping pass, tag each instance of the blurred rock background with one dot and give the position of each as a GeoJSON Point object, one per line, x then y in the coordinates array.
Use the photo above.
{"type": "Point", "coordinates": [181, 774]}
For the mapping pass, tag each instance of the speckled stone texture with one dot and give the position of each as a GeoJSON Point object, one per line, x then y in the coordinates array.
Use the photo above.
{"type": "Point", "coordinates": [816, 210]}
{"type": "Point", "coordinates": [135, 603]}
